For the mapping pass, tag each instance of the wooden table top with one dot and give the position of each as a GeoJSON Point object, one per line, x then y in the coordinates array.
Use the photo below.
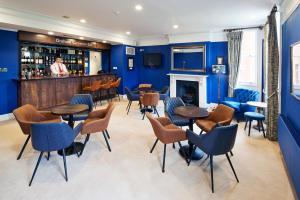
{"type": "Point", "coordinates": [191, 112]}
{"type": "Point", "coordinates": [69, 109]}
{"type": "Point", "coordinates": [257, 104]}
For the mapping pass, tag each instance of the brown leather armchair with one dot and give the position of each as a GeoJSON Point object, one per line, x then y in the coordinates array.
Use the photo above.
{"type": "Point", "coordinates": [97, 121]}
{"type": "Point", "coordinates": [167, 133]}
{"type": "Point", "coordinates": [27, 115]}
{"type": "Point", "coordinates": [149, 100]}
{"type": "Point", "coordinates": [114, 88]}
{"type": "Point", "coordinates": [222, 116]}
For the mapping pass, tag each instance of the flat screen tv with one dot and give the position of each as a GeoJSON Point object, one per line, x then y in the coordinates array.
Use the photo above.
{"type": "Point", "coordinates": [152, 59]}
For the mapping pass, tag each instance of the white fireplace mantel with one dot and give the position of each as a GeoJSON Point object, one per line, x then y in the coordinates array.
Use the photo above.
{"type": "Point", "coordinates": [201, 79]}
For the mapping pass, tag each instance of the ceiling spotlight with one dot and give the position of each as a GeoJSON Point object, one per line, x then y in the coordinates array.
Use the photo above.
{"type": "Point", "coordinates": [83, 21]}
{"type": "Point", "coordinates": [50, 33]}
{"type": "Point", "coordinates": [82, 38]}
{"type": "Point", "coordinates": [128, 32]}
{"type": "Point", "coordinates": [138, 7]}
{"type": "Point", "coordinates": [175, 26]}
{"type": "Point", "coordinates": [104, 41]}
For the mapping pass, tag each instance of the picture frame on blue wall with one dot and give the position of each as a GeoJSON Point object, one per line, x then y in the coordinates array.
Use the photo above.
{"type": "Point", "coordinates": [295, 70]}
{"type": "Point", "coordinates": [130, 64]}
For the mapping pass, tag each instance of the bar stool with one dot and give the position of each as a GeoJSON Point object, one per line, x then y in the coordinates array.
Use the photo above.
{"type": "Point", "coordinates": [250, 116]}
{"type": "Point", "coordinates": [104, 91]}
{"type": "Point", "coordinates": [93, 90]}
{"type": "Point", "coordinates": [114, 88]}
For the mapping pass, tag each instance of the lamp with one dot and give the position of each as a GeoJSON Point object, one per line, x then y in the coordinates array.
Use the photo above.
{"type": "Point", "coordinates": [219, 69]}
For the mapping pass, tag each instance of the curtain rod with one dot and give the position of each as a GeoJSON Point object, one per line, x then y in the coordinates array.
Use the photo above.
{"type": "Point", "coordinates": [239, 29]}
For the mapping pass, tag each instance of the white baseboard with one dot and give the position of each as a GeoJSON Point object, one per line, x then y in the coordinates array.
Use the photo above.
{"type": "Point", "coordinates": [5, 117]}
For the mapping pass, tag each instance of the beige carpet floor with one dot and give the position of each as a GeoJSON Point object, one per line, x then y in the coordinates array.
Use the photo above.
{"type": "Point", "coordinates": [131, 172]}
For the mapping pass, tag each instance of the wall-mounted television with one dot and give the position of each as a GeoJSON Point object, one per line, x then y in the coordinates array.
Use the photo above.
{"type": "Point", "coordinates": [152, 59]}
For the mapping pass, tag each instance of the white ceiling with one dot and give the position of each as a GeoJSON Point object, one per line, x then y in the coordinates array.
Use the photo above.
{"type": "Point", "coordinates": [157, 17]}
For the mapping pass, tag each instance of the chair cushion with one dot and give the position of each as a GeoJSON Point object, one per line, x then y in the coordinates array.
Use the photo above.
{"type": "Point", "coordinates": [179, 121]}
{"type": "Point", "coordinates": [171, 126]}
{"type": "Point", "coordinates": [254, 116]}
{"type": "Point", "coordinates": [233, 104]}
{"type": "Point", "coordinates": [77, 117]}
{"type": "Point", "coordinates": [206, 125]}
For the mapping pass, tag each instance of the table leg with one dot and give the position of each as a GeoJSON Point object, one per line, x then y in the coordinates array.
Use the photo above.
{"type": "Point", "coordinates": [188, 149]}
{"type": "Point", "coordinates": [71, 121]}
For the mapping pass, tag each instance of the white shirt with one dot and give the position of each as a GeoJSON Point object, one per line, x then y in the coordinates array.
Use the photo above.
{"type": "Point", "coordinates": [58, 69]}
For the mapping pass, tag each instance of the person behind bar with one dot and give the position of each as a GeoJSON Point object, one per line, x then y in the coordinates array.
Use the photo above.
{"type": "Point", "coordinates": [58, 68]}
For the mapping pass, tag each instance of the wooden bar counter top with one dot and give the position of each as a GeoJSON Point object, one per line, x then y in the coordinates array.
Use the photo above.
{"type": "Point", "coordinates": [47, 92]}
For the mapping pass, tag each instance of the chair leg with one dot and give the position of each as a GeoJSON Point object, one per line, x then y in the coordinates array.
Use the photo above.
{"type": "Point", "coordinates": [232, 167]}
{"type": "Point", "coordinates": [85, 141]}
{"type": "Point", "coordinates": [129, 107]}
{"type": "Point", "coordinates": [192, 148]}
{"type": "Point", "coordinates": [164, 159]}
{"type": "Point", "coordinates": [231, 153]}
{"type": "Point", "coordinates": [201, 132]}
{"type": "Point", "coordinates": [144, 112]}
{"type": "Point", "coordinates": [185, 156]}
{"type": "Point", "coordinates": [77, 153]}
{"type": "Point", "coordinates": [153, 145]}
{"type": "Point", "coordinates": [36, 167]}
{"type": "Point", "coordinates": [108, 136]}
{"type": "Point", "coordinates": [212, 174]}
{"type": "Point", "coordinates": [258, 125]}
{"type": "Point", "coordinates": [106, 141]}
{"type": "Point", "coordinates": [263, 129]}
{"type": "Point", "coordinates": [48, 157]}
{"type": "Point", "coordinates": [174, 146]}
{"type": "Point", "coordinates": [24, 145]}
{"type": "Point", "coordinates": [249, 127]}
{"type": "Point", "coordinates": [156, 110]}
{"type": "Point", "coordinates": [246, 125]}
{"type": "Point", "coordinates": [65, 164]}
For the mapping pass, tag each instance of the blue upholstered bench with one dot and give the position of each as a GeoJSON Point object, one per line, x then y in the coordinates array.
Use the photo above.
{"type": "Point", "coordinates": [250, 116]}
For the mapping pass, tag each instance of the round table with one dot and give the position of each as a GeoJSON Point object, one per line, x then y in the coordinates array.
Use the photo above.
{"type": "Point", "coordinates": [192, 113]}
{"type": "Point", "coordinates": [260, 106]}
{"type": "Point", "coordinates": [70, 110]}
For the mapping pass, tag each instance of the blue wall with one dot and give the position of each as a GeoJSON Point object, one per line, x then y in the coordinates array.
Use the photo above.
{"type": "Point", "coordinates": [9, 53]}
{"type": "Point", "coordinates": [290, 106]}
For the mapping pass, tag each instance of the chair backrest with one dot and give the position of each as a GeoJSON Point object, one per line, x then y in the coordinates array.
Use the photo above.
{"type": "Point", "coordinates": [128, 93]}
{"type": "Point", "coordinates": [150, 99]}
{"type": "Point", "coordinates": [244, 95]}
{"type": "Point", "coordinates": [171, 104]}
{"type": "Point", "coordinates": [51, 136]}
{"type": "Point", "coordinates": [109, 111]}
{"type": "Point", "coordinates": [222, 113]}
{"type": "Point", "coordinates": [145, 85]}
{"type": "Point", "coordinates": [157, 127]}
{"type": "Point", "coordinates": [116, 83]}
{"type": "Point", "coordinates": [25, 116]}
{"type": "Point", "coordinates": [165, 90]}
{"type": "Point", "coordinates": [83, 99]}
{"type": "Point", "coordinates": [219, 141]}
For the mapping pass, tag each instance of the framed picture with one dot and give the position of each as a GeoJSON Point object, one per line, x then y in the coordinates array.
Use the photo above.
{"type": "Point", "coordinates": [130, 63]}
{"type": "Point", "coordinates": [220, 60]}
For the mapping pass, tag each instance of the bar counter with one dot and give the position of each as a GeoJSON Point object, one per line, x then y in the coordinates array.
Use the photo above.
{"type": "Point", "coordinates": [48, 92]}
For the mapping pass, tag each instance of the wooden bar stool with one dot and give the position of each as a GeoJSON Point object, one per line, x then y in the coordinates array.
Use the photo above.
{"type": "Point", "coordinates": [250, 116]}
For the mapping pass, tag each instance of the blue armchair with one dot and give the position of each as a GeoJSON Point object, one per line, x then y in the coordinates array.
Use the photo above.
{"type": "Point", "coordinates": [131, 96]}
{"type": "Point", "coordinates": [81, 99]}
{"type": "Point", "coordinates": [170, 105]}
{"type": "Point", "coordinates": [164, 93]}
{"type": "Point", "coordinates": [47, 137]}
{"type": "Point", "coordinates": [218, 142]}
{"type": "Point", "coordinates": [239, 102]}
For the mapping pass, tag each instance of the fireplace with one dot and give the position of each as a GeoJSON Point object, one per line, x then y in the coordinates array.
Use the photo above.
{"type": "Point", "coordinates": [188, 91]}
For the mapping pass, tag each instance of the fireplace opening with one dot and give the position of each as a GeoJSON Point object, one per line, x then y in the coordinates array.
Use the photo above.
{"type": "Point", "coordinates": [188, 91]}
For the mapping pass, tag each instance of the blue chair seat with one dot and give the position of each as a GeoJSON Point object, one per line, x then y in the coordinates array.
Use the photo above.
{"type": "Point", "coordinates": [233, 104]}
{"type": "Point", "coordinates": [179, 121]}
{"type": "Point", "coordinates": [77, 117]}
{"type": "Point", "coordinates": [254, 116]}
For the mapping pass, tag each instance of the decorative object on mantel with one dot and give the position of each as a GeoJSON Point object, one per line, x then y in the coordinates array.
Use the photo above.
{"type": "Point", "coordinates": [220, 60]}
{"type": "Point", "coordinates": [219, 69]}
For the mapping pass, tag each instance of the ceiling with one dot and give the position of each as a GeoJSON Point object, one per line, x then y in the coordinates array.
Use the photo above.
{"type": "Point", "coordinates": [157, 16]}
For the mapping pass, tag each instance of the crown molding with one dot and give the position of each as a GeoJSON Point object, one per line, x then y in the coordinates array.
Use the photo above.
{"type": "Point", "coordinates": [24, 20]}
{"type": "Point", "coordinates": [287, 8]}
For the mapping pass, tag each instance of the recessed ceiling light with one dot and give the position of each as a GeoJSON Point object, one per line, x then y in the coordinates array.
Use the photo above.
{"type": "Point", "coordinates": [83, 21]}
{"type": "Point", "coordinates": [104, 41]}
{"type": "Point", "coordinates": [138, 7]}
{"type": "Point", "coordinates": [82, 38]}
{"type": "Point", "coordinates": [50, 33]}
{"type": "Point", "coordinates": [175, 26]}
{"type": "Point", "coordinates": [128, 32]}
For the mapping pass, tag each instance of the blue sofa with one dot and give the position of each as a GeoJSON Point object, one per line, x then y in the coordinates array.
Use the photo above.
{"type": "Point", "coordinates": [239, 102]}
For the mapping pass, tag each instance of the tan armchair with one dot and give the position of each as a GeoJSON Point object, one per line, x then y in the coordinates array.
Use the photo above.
{"type": "Point", "coordinates": [97, 121]}
{"type": "Point", "coordinates": [149, 100]}
{"type": "Point", "coordinates": [27, 115]}
{"type": "Point", "coordinates": [221, 116]}
{"type": "Point", "coordinates": [167, 133]}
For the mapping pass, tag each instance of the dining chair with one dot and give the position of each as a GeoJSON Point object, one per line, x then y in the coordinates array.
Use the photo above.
{"type": "Point", "coordinates": [131, 96]}
{"type": "Point", "coordinates": [219, 141]}
{"type": "Point", "coordinates": [27, 115]}
{"type": "Point", "coordinates": [170, 105]}
{"type": "Point", "coordinates": [81, 99]}
{"type": "Point", "coordinates": [52, 137]}
{"type": "Point", "coordinates": [97, 121]}
{"type": "Point", "coordinates": [167, 133]}
{"type": "Point", "coordinates": [149, 100]}
{"type": "Point", "coordinates": [164, 93]}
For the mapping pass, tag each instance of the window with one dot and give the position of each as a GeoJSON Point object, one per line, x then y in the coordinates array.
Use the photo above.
{"type": "Point", "coordinates": [248, 70]}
